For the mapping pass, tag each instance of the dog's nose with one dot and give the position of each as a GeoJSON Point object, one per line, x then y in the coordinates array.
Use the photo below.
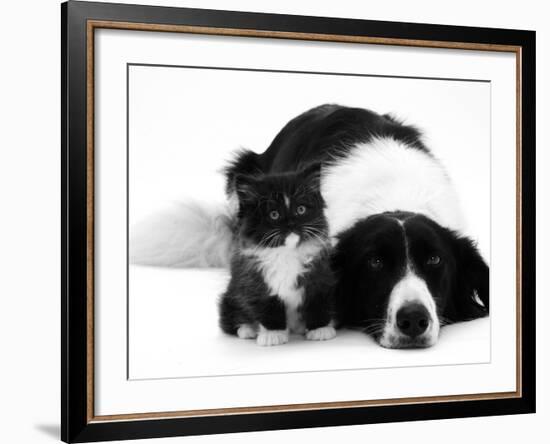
{"type": "Point", "coordinates": [413, 319]}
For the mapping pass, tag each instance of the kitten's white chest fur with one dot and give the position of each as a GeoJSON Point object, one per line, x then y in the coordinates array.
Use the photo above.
{"type": "Point", "coordinates": [281, 268]}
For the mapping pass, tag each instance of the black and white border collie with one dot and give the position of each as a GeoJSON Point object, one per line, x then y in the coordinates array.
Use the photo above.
{"type": "Point", "coordinates": [404, 269]}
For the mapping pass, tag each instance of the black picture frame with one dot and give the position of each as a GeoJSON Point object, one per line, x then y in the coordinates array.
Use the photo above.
{"type": "Point", "coordinates": [76, 327]}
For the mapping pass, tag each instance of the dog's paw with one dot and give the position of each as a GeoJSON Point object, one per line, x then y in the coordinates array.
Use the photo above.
{"type": "Point", "coordinates": [268, 338]}
{"type": "Point", "coordinates": [321, 333]}
{"type": "Point", "coordinates": [247, 331]}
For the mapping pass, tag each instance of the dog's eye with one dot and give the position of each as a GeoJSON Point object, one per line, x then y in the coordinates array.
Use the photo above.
{"type": "Point", "coordinates": [301, 210]}
{"type": "Point", "coordinates": [376, 263]}
{"type": "Point", "coordinates": [274, 215]}
{"type": "Point", "coordinates": [433, 260]}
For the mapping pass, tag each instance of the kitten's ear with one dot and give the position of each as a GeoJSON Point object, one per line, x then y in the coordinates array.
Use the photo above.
{"type": "Point", "coordinates": [246, 188]}
{"type": "Point", "coordinates": [312, 175]}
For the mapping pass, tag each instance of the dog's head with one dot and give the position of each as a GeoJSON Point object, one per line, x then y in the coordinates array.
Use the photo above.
{"type": "Point", "coordinates": [402, 277]}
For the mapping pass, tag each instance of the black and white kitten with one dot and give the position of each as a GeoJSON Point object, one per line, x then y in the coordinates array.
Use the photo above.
{"type": "Point", "coordinates": [281, 280]}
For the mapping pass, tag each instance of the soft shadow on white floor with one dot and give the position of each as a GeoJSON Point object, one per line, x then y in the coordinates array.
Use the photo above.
{"type": "Point", "coordinates": [51, 430]}
{"type": "Point", "coordinates": [173, 333]}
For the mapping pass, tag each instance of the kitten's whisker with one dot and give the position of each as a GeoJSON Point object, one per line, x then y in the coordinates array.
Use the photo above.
{"type": "Point", "coordinates": [273, 241]}
{"type": "Point", "coordinates": [267, 238]}
{"type": "Point", "coordinates": [316, 234]}
{"type": "Point", "coordinates": [316, 229]}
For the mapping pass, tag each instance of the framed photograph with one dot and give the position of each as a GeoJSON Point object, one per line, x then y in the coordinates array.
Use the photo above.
{"type": "Point", "coordinates": [276, 221]}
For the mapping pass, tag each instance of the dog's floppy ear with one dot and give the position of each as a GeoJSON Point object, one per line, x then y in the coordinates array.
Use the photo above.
{"type": "Point", "coordinates": [471, 283]}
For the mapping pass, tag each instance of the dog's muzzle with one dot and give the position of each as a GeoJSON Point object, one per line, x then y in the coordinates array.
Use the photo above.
{"type": "Point", "coordinates": [411, 320]}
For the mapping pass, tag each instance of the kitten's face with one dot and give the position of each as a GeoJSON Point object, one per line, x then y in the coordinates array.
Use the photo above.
{"type": "Point", "coordinates": [276, 210]}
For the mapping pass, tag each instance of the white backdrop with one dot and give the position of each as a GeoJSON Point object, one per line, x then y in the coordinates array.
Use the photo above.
{"type": "Point", "coordinates": [184, 125]}
{"type": "Point", "coordinates": [30, 283]}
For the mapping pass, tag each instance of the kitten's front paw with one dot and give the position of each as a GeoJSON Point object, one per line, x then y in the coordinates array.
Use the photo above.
{"type": "Point", "coordinates": [247, 331]}
{"type": "Point", "coordinates": [268, 338]}
{"type": "Point", "coordinates": [321, 333]}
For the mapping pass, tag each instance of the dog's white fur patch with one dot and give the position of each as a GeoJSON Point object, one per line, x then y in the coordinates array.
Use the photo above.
{"type": "Point", "coordinates": [267, 338]}
{"type": "Point", "coordinates": [247, 331]}
{"type": "Point", "coordinates": [321, 334]}
{"type": "Point", "coordinates": [410, 289]}
{"type": "Point", "coordinates": [387, 175]}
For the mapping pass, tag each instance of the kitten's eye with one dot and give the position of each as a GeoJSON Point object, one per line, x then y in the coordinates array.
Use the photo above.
{"type": "Point", "coordinates": [376, 263]}
{"type": "Point", "coordinates": [434, 260]}
{"type": "Point", "coordinates": [274, 215]}
{"type": "Point", "coordinates": [301, 210]}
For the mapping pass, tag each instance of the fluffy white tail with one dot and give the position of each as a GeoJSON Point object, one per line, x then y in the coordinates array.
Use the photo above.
{"type": "Point", "coordinates": [186, 235]}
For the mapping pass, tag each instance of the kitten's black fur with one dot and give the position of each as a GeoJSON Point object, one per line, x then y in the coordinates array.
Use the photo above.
{"type": "Point", "coordinates": [272, 207]}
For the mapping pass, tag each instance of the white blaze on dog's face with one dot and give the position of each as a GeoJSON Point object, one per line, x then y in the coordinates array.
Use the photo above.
{"type": "Point", "coordinates": [402, 274]}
